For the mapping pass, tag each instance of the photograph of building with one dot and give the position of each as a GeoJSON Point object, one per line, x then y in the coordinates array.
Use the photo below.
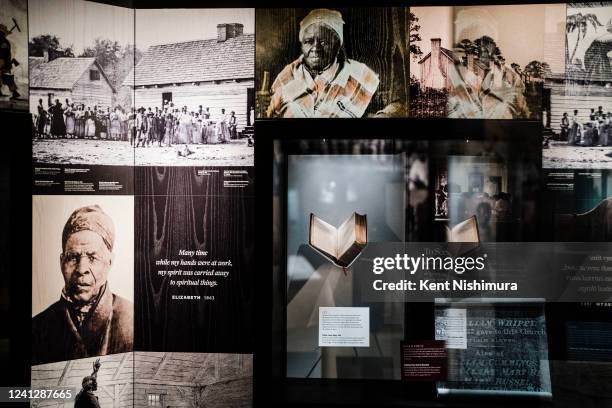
{"type": "Point", "coordinates": [465, 63]}
{"type": "Point", "coordinates": [431, 59]}
{"type": "Point", "coordinates": [80, 53]}
{"type": "Point", "coordinates": [69, 79]}
{"type": "Point", "coordinates": [143, 379]}
{"type": "Point", "coordinates": [434, 66]}
{"type": "Point", "coordinates": [103, 92]}
{"type": "Point", "coordinates": [194, 89]}
{"type": "Point", "coordinates": [214, 73]}
{"type": "Point", "coordinates": [198, 380]}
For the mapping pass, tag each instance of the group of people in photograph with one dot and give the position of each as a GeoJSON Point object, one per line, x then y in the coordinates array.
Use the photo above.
{"type": "Point", "coordinates": [597, 131]}
{"type": "Point", "coordinates": [167, 125]}
{"type": "Point", "coordinates": [72, 120]}
{"type": "Point", "coordinates": [170, 125]}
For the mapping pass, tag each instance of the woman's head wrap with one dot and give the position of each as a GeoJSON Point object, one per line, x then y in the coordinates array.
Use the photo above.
{"type": "Point", "coordinates": [330, 18]}
{"type": "Point", "coordinates": [90, 218]}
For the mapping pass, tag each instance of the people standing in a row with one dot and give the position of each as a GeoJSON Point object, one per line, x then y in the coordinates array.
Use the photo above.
{"type": "Point", "coordinates": [597, 131]}
{"type": "Point", "coordinates": [169, 125]}
{"type": "Point", "coordinates": [67, 121]}
{"type": "Point", "coordinates": [162, 126]}
{"type": "Point", "coordinates": [58, 127]}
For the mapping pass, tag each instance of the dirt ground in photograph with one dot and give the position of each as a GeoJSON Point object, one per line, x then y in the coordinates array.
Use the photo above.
{"type": "Point", "coordinates": [560, 155]}
{"type": "Point", "coordinates": [120, 153]}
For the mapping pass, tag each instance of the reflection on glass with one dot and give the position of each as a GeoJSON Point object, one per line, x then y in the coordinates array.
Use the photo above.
{"type": "Point", "coordinates": [333, 187]}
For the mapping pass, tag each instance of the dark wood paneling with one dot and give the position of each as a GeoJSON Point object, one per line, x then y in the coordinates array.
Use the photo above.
{"type": "Point", "coordinates": [178, 180]}
{"type": "Point", "coordinates": [177, 210]}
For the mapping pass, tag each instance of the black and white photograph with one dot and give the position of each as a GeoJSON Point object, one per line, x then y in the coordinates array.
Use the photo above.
{"type": "Point", "coordinates": [332, 63]}
{"type": "Point", "coordinates": [143, 379]}
{"type": "Point", "coordinates": [82, 277]}
{"type": "Point", "coordinates": [477, 62]}
{"type": "Point", "coordinates": [431, 56]}
{"type": "Point", "coordinates": [106, 381]}
{"type": "Point", "coordinates": [579, 96]}
{"type": "Point", "coordinates": [14, 54]}
{"type": "Point", "coordinates": [194, 91]}
{"type": "Point", "coordinates": [80, 53]}
{"type": "Point", "coordinates": [199, 380]}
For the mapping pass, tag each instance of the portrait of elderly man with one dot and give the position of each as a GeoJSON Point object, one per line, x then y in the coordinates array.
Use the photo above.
{"type": "Point", "coordinates": [322, 82]}
{"type": "Point", "coordinates": [88, 319]}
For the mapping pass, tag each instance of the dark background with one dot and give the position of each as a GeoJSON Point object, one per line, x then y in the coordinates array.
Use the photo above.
{"type": "Point", "coordinates": [15, 250]}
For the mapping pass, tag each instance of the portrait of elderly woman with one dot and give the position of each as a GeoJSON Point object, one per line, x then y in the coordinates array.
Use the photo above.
{"type": "Point", "coordinates": [87, 319]}
{"type": "Point", "coordinates": [325, 63]}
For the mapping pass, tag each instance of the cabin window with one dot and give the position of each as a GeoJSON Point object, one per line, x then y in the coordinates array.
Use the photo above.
{"type": "Point", "coordinates": [166, 97]}
{"type": "Point", "coordinates": [94, 75]}
{"type": "Point", "coordinates": [154, 400]}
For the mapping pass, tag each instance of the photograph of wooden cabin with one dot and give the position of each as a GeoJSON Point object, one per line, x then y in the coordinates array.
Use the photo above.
{"type": "Point", "coordinates": [69, 78]}
{"type": "Point", "coordinates": [578, 94]}
{"type": "Point", "coordinates": [431, 58]}
{"type": "Point", "coordinates": [80, 53]}
{"type": "Point", "coordinates": [145, 379]}
{"type": "Point", "coordinates": [468, 62]}
{"type": "Point", "coordinates": [194, 88]}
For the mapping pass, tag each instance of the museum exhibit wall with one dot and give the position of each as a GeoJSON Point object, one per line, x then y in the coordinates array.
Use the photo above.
{"type": "Point", "coordinates": [161, 271]}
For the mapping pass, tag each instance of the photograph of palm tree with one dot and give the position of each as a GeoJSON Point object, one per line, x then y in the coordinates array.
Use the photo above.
{"type": "Point", "coordinates": [482, 62]}
{"type": "Point", "coordinates": [580, 23]}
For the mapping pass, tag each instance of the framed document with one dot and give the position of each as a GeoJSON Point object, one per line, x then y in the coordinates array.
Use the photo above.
{"type": "Point", "coordinates": [494, 346]}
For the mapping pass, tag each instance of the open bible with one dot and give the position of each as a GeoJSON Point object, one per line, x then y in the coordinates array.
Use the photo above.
{"type": "Point", "coordinates": [464, 236]}
{"type": "Point", "coordinates": [340, 245]}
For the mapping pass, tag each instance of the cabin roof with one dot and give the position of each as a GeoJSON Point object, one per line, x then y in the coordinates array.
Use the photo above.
{"type": "Point", "coordinates": [444, 51]}
{"type": "Point", "coordinates": [61, 73]}
{"type": "Point", "coordinates": [196, 61]}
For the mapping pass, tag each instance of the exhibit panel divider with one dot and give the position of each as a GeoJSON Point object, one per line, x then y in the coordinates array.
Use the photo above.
{"type": "Point", "coordinates": [142, 204]}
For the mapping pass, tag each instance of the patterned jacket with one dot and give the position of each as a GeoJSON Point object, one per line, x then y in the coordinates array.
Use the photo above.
{"type": "Point", "coordinates": [342, 91]}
